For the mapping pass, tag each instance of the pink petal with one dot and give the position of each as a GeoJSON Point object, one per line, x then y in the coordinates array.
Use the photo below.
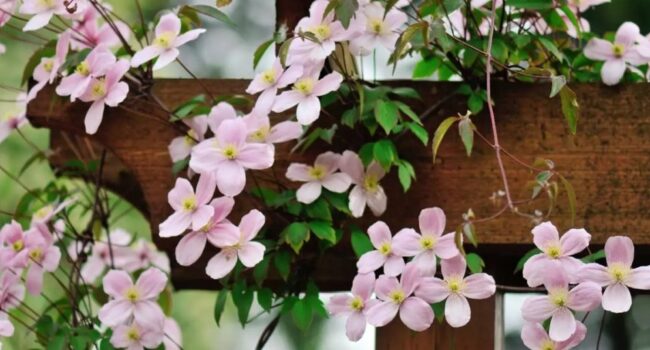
{"type": "Point", "coordinates": [117, 94]}
{"type": "Point", "coordinates": [639, 278]}
{"type": "Point", "coordinates": [182, 190]}
{"type": "Point", "coordinates": [376, 170]}
{"type": "Point", "coordinates": [457, 311]}
{"type": "Point", "coordinates": [201, 217]}
{"type": "Point", "coordinates": [357, 201]}
{"type": "Point", "coordinates": [406, 243]}
{"type": "Point", "coordinates": [232, 132]}
{"type": "Point", "coordinates": [190, 248]}
{"type": "Point", "coordinates": [394, 265]}
{"type": "Point", "coordinates": [175, 224]}
{"type": "Point", "coordinates": [251, 224]}
{"type": "Point", "coordinates": [537, 308]}
{"type": "Point", "coordinates": [116, 282]}
{"type": "Point", "coordinates": [426, 262]}
{"type": "Point", "coordinates": [284, 131]}
{"type": "Point", "coordinates": [379, 234]}
{"type": "Point", "coordinates": [308, 110]}
{"type": "Point", "coordinates": [410, 279]}
{"type": "Point", "coordinates": [92, 269]}
{"type": "Point", "coordinates": [534, 335]}
{"type": "Point", "coordinates": [34, 282]}
{"type": "Point", "coordinates": [555, 276]}
{"type": "Point", "coordinates": [479, 286]}
{"type": "Point", "coordinates": [327, 84]}
{"type": "Point", "coordinates": [595, 273]}
{"type": "Point", "coordinates": [382, 313]}
{"type": "Point", "coordinates": [454, 267]}
{"type": "Point", "coordinates": [205, 188]}
{"type": "Point", "coordinates": [617, 298]}
{"type": "Point", "coordinates": [145, 55]}
{"type": "Point", "coordinates": [149, 313]}
{"type": "Point", "coordinates": [188, 36]}
{"type": "Point", "coordinates": [251, 253]}
{"type": "Point", "coordinates": [350, 163]}
{"type": "Point", "coordinates": [328, 160]}
{"type": "Point", "coordinates": [627, 34]}
{"type": "Point", "coordinates": [287, 100]}
{"type": "Point", "coordinates": [231, 178]}
{"type": "Point", "coordinates": [151, 283]}
{"type": "Point", "coordinates": [339, 304]}
{"type": "Point", "coordinates": [290, 76]}
{"type": "Point", "coordinates": [432, 290]}
{"type": "Point", "coordinates": [308, 192]}
{"type": "Point", "coordinates": [265, 101]}
{"type": "Point", "coordinates": [168, 23]}
{"type": "Point", "coordinates": [224, 235]}
{"type": "Point", "coordinates": [446, 246]}
{"type": "Point", "coordinates": [38, 21]}
{"type": "Point", "coordinates": [416, 314]}
{"type": "Point", "coordinates": [432, 221]}
{"type": "Point", "coordinates": [619, 249]}
{"type": "Point", "coordinates": [575, 339]}
{"type": "Point", "coordinates": [355, 326]}
{"type": "Point", "coordinates": [218, 114]}
{"type": "Point", "coordinates": [533, 271]}
{"type": "Point", "coordinates": [371, 261]}
{"type": "Point", "coordinates": [563, 325]}
{"type": "Point", "coordinates": [338, 182]}
{"type": "Point", "coordinates": [613, 71]}
{"type": "Point", "coordinates": [386, 285]}
{"type": "Point", "coordinates": [585, 297]}
{"type": "Point", "coordinates": [599, 50]}
{"type": "Point", "coordinates": [545, 234]}
{"type": "Point", "coordinates": [574, 241]}
{"type": "Point", "coordinates": [6, 328]}
{"type": "Point", "coordinates": [220, 265]}
{"type": "Point", "coordinates": [222, 208]}
{"type": "Point", "coordinates": [256, 156]}
{"type": "Point", "coordinates": [363, 285]}
{"type": "Point", "coordinates": [115, 312]}
{"type": "Point", "coordinates": [377, 201]}
{"type": "Point", "coordinates": [94, 116]}
{"type": "Point", "coordinates": [166, 57]}
{"type": "Point", "coordinates": [298, 172]}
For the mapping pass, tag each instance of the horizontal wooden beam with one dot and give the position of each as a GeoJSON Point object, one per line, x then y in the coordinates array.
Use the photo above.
{"type": "Point", "coordinates": [608, 162]}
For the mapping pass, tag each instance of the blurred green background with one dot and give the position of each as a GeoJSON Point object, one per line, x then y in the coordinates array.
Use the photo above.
{"type": "Point", "coordinates": [227, 53]}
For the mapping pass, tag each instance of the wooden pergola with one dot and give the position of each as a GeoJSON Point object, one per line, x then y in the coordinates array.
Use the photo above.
{"type": "Point", "coordinates": [608, 164]}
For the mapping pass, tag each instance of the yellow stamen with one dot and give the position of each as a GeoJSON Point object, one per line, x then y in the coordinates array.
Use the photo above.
{"type": "Point", "coordinates": [321, 32]}
{"type": "Point", "coordinates": [304, 86]}
{"type": "Point", "coordinates": [133, 334]}
{"type": "Point", "coordinates": [455, 284]}
{"type": "Point", "coordinates": [98, 89]}
{"type": "Point", "coordinates": [164, 40]}
{"type": "Point", "coordinates": [548, 345]}
{"type": "Point", "coordinates": [269, 76]}
{"type": "Point", "coordinates": [43, 212]}
{"type": "Point", "coordinates": [619, 272]}
{"type": "Point", "coordinates": [230, 152]}
{"type": "Point", "coordinates": [554, 251]}
{"type": "Point", "coordinates": [356, 304]}
{"type": "Point", "coordinates": [370, 183]}
{"type": "Point", "coordinates": [385, 248]}
{"type": "Point", "coordinates": [558, 297]}
{"type": "Point", "coordinates": [618, 50]}
{"type": "Point", "coordinates": [260, 134]}
{"type": "Point", "coordinates": [317, 172]}
{"type": "Point", "coordinates": [18, 245]}
{"type": "Point", "coordinates": [48, 65]}
{"type": "Point", "coordinates": [36, 254]}
{"type": "Point", "coordinates": [428, 242]}
{"type": "Point", "coordinates": [376, 25]}
{"type": "Point", "coordinates": [189, 203]}
{"type": "Point", "coordinates": [132, 294]}
{"type": "Point", "coordinates": [83, 68]}
{"type": "Point", "coordinates": [397, 296]}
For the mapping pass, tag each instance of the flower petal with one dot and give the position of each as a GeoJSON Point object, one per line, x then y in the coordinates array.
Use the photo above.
{"type": "Point", "coordinates": [617, 298]}
{"type": "Point", "coordinates": [432, 221]}
{"type": "Point", "coordinates": [355, 326]}
{"type": "Point", "coordinates": [479, 286]}
{"type": "Point", "coordinates": [190, 248]}
{"type": "Point", "coordinates": [251, 253]}
{"type": "Point", "coordinates": [457, 310]}
{"type": "Point", "coordinates": [406, 243]}
{"type": "Point", "coordinates": [371, 261]}
{"type": "Point", "coordinates": [382, 313]}
{"type": "Point", "coordinates": [363, 285]}
{"type": "Point", "coordinates": [585, 297]}
{"type": "Point", "coordinates": [563, 325]}
{"type": "Point", "coordinates": [220, 265]}
{"type": "Point", "coordinates": [416, 314]}
{"type": "Point", "coordinates": [537, 308]}
{"type": "Point", "coordinates": [619, 249]}
{"type": "Point", "coordinates": [574, 241]}
{"type": "Point", "coordinates": [231, 178]}
{"type": "Point", "coordinates": [308, 192]}
{"type": "Point", "coordinates": [432, 290]}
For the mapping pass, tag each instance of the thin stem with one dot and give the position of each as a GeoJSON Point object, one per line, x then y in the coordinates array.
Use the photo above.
{"type": "Point", "coordinates": [207, 91]}
{"type": "Point", "coordinates": [488, 72]}
{"type": "Point", "coordinates": [600, 330]}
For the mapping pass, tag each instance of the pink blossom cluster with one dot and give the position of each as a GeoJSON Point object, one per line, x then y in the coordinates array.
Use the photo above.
{"type": "Point", "coordinates": [573, 286]}
{"type": "Point", "coordinates": [408, 284]}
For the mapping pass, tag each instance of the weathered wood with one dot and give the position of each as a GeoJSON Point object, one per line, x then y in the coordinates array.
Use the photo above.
{"type": "Point", "coordinates": [608, 162]}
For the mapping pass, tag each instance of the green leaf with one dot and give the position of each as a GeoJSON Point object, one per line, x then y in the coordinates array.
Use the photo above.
{"type": "Point", "coordinates": [360, 241]}
{"type": "Point", "coordinates": [323, 230]}
{"type": "Point", "coordinates": [185, 110]}
{"type": "Point", "coordinates": [387, 115]}
{"type": "Point", "coordinates": [557, 84]}
{"type": "Point", "coordinates": [406, 92]}
{"type": "Point", "coordinates": [319, 209]}
{"type": "Point", "coordinates": [426, 67]}
{"type": "Point", "coordinates": [213, 12]}
{"type": "Point", "coordinates": [475, 263]}
{"type": "Point", "coordinates": [265, 298]}
{"type": "Point", "coordinates": [466, 131]}
{"type": "Point", "coordinates": [282, 263]}
{"type": "Point", "coordinates": [296, 234]}
{"type": "Point", "coordinates": [337, 200]}
{"type": "Point", "coordinates": [420, 132]}
{"type": "Point", "coordinates": [284, 51]}
{"type": "Point", "coordinates": [475, 103]}
{"type": "Point", "coordinates": [550, 46]}
{"type": "Point", "coordinates": [404, 108]}
{"type": "Point", "coordinates": [452, 5]}
{"type": "Point", "coordinates": [570, 108]}
{"type": "Point", "coordinates": [439, 311]}
{"type": "Point", "coordinates": [259, 52]}
{"type": "Point", "coordinates": [531, 4]}
{"type": "Point", "coordinates": [571, 197]}
{"type": "Point", "coordinates": [385, 153]}
{"type": "Point", "coordinates": [406, 174]}
{"type": "Point", "coordinates": [261, 270]}
{"type": "Point", "coordinates": [470, 232]}
{"type": "Point", "coordinates": [220, 304]}
{"type": "Point", "coordinates": [524, 259]}
{"type": "Point", "coordinates": [346, 10]}
{"type": "Point", "coordinates": [440, 134]}
{"type": "Point", "coordinates": [594, 257]}
{"type": "Point", "coordinates": [441, 37]}
{"type": "Point", "coordinates": [179, 166]}
{"type": "Point", "coordinates": [302, 314]}
{"type": "Point", "coordinates": [573, 18]}
{"type": "Point", "coordinates": [242, 297]}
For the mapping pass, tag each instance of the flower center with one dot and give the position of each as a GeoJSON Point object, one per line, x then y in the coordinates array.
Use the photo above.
{"type": "Point", "coordinates": [428, 242]}
{"type": "Point", "coordinates": [189, 203]}
{"type": "Point", "coordinates": [98, 89]}
{"type": "Point", "coordinates": [553, 251]}
{"type": "Point", "coordinates": [397, 296]}
{"type": "Point", "coordinates": [83, 68]}
{"type": "Point", "coordinates": [260, 134]}
{"type": "Point", "coordinates": [618, 50]}
{"type": "Point", "coordinates": [376, 25]}
{"type": "Point", "coordinates": [370, 183]}
{"type": "Point", "coordinates": [165, 40]}
{"type": "Point", "coordinates": [36, 254]}
{"type": "Point", "coordinates": [43, 212]}
{"type": "Point", "coordinates": [321, 31]}
{"type": "Point", "coordinates": [230, 152]}
{"type": "Point", "coordinates": [317, 172]}
{"type": "Point", "coordinates": [547, 345]}
{"type": "Point", "coordinates": [132, 294]}
{"type": "Point", "coordinates": [48, 65]}
{"type": "Point", "coordinates": [269, 76]}
{"type": "Point", "coordinates": [455, 284]}
{"type": "Point", "coordinates": [133, 334]}
{"type": "Point", "coordinates": [356, 304]}
{"type": "Point", "coordinates": [619, 272]}
{"type": "Point", "coordinates": [304, 86]}
{"type": "Point", "coordinates": [385, 248]}
{"type": "Point", "coordinates": [18, 245]}
{"type": "Point", "coordinates": [47, 3]}
{"type": "Point", "coordinates": [558, 297]}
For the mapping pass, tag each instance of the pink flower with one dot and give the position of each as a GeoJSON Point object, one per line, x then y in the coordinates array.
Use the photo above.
{"type": "Point", "coordinates": [546, 238]}
{"type": "Point", "coordinates": [355, 306]}
{"type": "Point", "coordinates": [228, 155]}
{"type": "Point", "coordinates": [137, 336]}
{"type": "Point", "coordinates": [268, 83]}
{"type": "Point", "coordinates": [260, 130]}
{"type": "Point", "coordinates": [222, 111]}
{"type": "Point", "coordinates": [584, 5]}
{"type": "Point", "coordinates": [89, 34]}
{"type": "Point", "coordinates": [191, 208]}
{"type": "Point", "coordinates": [166, 43]}
{"type": "Point", "coordinates": [431, 242]}
{"type": "Point", "coordinates": [616, 55]}
{"type": "Point", "coordinates": [107, 90]}
{"type": "Point", "coordinates": [238, 244]}
{"type": "Point", "coordinates": [96, 64]}
{"type": "Point", "coordinates": [12, 293]}
{"type": "Point", "coordinates": [48, 69]}
{"type": "Point", "coordinates": [143, 255]}
{"type": "Point", "coordinates": [367, 189]}
{"type": "Point", "coordinates": [379, 27]}
{"type": "Point", "coordinates": [456, 289]}
{"type": "Point", "coordinates": [43, 12]}
{"type": "Point", "coordinates": [618, 275]}
{"type": "Point", "coordinates": [386, 253]}
{"type": "Point", "coordinates": [305, 95]}
{"type": "Point", "coordinates": [103, 254]}
{"type": "Point", "coordinates": [190, 247]}
{"type": "Point", "coordinates": [137, 300]}
{"type": "Point", "coordinates": [397, 296]}
{"type": "Point", "coordinates": [13, 253]}
{"type": "Point", "coordinates": [11, 123]}
{"type": "Point", "coordinates": [322, 174]}
{"type": "Point", "coordinates": [47, 212]}
{"type": "Point", "coordinates": [535, 338]}
{"type": "Point", "coordinates": [43, 256]}
{"type": "Point", "coordinates": [173, 337]}
{"type": "Point", "coordinates": [7, 8]}
{"type": "Point", "coordinates": [181, 147]}
{"type": "Point", "coordinates": [560, 302]}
